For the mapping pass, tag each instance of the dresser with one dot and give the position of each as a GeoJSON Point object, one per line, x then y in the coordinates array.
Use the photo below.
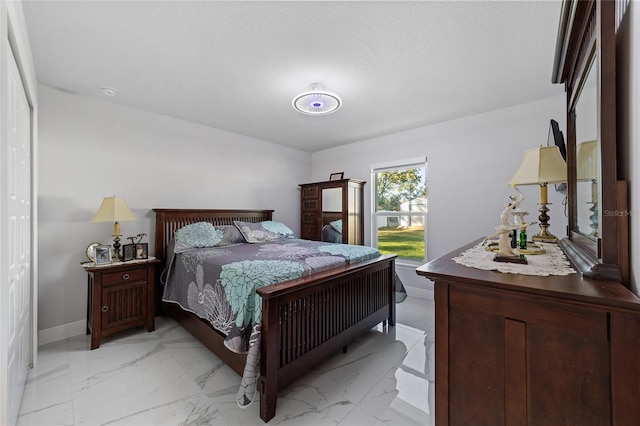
{"type": "Point", "coordinates": [120, 296]}
{"type": "Point", "coordinates": [329, 201]}
{"type": "Point", "coordinates": [517, 349]}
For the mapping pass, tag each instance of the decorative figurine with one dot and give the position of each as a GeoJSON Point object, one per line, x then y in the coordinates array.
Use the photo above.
{"type": "Point", "coordinates": [137, 238]}
{"type": "Point", "coordinates": [519, 215]}
{"type": "Point", "coordinates": [523, 237]}
{"type": "Point", "coordinates": [505, 253]}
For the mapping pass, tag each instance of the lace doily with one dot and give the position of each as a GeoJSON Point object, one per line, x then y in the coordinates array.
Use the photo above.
{"type": "Point", "coordinates": [553, 262]}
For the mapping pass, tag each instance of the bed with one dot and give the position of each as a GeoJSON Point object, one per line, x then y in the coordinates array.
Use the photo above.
{"type": "Point", "coordinates": [303, 321]}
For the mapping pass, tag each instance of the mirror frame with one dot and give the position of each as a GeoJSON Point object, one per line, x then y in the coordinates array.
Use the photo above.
{"type": "Point", "coordinates": [587, 33]}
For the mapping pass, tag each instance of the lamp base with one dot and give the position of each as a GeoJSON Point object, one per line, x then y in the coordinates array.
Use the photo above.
{"type": "Point", "coordinates": [548, 238]}
{"type": "Point", "coordinates": [116, 249]}
{"type": "Point", "coordinates": [544, 235]}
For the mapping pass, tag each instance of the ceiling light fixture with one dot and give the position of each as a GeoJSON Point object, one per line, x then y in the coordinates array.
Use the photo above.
{"type": "Point", "coordinates": [316, 101]}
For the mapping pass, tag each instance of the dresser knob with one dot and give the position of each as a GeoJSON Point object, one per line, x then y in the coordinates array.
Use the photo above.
{"type": "Point", "coordinates": [125, 277]}
{"type": "Point", "coordinates": [105, 308]}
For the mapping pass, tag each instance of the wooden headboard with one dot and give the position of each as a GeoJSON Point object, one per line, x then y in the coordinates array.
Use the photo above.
{"type": "Point", "coordinates": [170, 220]}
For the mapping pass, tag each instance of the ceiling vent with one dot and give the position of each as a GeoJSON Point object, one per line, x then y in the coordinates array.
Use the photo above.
{"type": "Point", "coordinates": [317, 101]}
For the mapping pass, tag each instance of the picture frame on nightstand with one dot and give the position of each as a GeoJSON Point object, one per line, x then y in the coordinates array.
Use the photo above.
{"type": "Point", "coordinates": [142, 251]}
{"type": "Point", "coordinates": [128, 252]}
{"type": "Point", "coordinates": [102, 255]}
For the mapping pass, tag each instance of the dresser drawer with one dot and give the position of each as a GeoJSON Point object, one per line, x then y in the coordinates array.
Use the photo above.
{"type": "Point", "coordinates": [124, 276]}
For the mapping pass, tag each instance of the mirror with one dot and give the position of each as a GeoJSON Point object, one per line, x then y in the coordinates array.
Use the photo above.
{"type": "Point", "coordinates": [587, 158]}
{"type": "Point", "coordinates": [585, 60]}
{"type": "Point", "coordinates": [331, 212]}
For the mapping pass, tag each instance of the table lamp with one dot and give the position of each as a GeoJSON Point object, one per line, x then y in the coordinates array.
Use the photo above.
{"type": "Point", "coordinates": [587, 171]}
{"type": "Point", "coordinates": [541, 166]}
{"type": "Point", "coordinates": [114, 209]}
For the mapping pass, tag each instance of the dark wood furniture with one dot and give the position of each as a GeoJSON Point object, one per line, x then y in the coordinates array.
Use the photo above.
{"type": "Point", "coordinates": [518, 349]}
{"type": "Point", "coordinates": [586, 51]}
{"type": "Point", "coordinates": [120, 296]}
{"type": "Point", "coordinates": [323, 202]}
{"type": "Point", "coordinates": [304, 321]}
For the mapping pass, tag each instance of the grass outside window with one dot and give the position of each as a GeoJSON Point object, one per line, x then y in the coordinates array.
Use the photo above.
{"type": "Point", "coordinates": [407, 243]}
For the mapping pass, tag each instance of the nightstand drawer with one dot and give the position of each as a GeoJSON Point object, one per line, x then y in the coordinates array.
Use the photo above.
{"type": "Point", "coordinates": [124, 276]}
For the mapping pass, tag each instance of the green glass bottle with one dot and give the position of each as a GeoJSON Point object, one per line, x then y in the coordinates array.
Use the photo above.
{"type": "Point", "coordinates": [523, 239]}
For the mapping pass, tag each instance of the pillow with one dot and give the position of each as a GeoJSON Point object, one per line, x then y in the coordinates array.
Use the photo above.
{"type": "Point", "coordinates": [337, 225]}
{"type": "Point", "coordinates": [231, 235]}
{"type": "Point", "coordinates": [199, 234]}
{"type": "Point", "coordinates": [263, 231]}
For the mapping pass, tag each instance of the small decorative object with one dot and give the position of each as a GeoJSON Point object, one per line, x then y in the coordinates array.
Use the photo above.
{"type": "Point", "coordinates": [519, 215]}
{"type": "Point", "coordinates": [513, 235]}
{"type": "Point", "coordinates": [142, 251]}
{"type": "Point", "coordinates": [91, 251]}
{"type": "Point", "coordinates": [128, 252]}
{"type": "Point", "coordinates": [102, 255]}
{"type": "Point", "coordinates": [336, 176]}
{"type": "Point", "coordinates": [505, 253]}
{"type": "Point", "coordinates": [114, 209]}
{"type": "Point", "coordinates": [137, 238]}
{"type": "Point", "coordinates": [523, 238]}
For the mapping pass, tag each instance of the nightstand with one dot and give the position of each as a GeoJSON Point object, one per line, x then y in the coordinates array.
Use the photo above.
{"type": "Point", "coordinates": [120, 297]}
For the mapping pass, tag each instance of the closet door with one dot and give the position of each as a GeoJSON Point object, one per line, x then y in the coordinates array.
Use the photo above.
{"type": "Point", "coordinates": [15, 228]}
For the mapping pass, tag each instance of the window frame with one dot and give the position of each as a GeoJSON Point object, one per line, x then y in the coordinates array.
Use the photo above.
{"type": "Point", "coordinates": [397, 165]}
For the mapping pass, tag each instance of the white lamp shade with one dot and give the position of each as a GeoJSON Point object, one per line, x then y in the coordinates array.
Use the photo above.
{"type": "Point", "coordinates": [540, 166]}
{"type": "Point", "coordinates": [587, 161]}
{"type": "Point", "coordinates": [113, 209]}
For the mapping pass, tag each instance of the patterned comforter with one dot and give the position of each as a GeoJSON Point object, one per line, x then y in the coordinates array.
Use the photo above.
{"type": "Point", "coordinates": [219, 285]}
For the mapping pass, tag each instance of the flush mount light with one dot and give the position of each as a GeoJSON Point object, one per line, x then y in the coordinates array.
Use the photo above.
{"type": "Point", "coordinates": [316, 101]}
{"type": "Point", "coordinates": [108, 91]}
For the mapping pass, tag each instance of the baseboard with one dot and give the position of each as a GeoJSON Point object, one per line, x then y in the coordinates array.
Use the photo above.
{"type": "Point", "coordinates": [77, 328]}
{"type": "Point", "coordinates": [421, 293]}
{"type": "Point", "coordinates": [61, 332]}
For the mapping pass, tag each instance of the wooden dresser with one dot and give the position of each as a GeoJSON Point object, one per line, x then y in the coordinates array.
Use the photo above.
{"type": "Point", "coordinates": [324, 202]}
{"type": "Point", "coordinates": [529, 350]}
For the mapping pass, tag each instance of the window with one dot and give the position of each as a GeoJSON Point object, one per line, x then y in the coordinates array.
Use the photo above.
{"type": "Point", "coordinates": [400, 208]}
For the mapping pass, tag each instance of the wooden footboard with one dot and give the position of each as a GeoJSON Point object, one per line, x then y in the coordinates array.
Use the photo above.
{"type": "Point", "coordinates": [304, 321]}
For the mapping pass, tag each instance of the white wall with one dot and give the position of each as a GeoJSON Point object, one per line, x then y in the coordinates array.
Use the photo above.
{"type": "Point", "coordinates": [92, 148]}
{"type": "Point", "coordinates": [469, 163]}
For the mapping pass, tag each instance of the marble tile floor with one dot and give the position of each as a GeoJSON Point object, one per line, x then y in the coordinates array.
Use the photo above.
{"type": "Point", "coordinates": [168, 378]}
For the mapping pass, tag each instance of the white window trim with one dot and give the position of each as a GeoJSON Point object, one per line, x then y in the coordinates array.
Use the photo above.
{"type": "Point", "coordinates": [393, 165]}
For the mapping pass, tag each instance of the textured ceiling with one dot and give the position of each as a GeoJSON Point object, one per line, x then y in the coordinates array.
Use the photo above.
{"type": "Point", "coordinates": [237, 65]}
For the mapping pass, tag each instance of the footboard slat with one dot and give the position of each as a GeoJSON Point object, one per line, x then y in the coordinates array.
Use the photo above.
{"type": "Point", "coordinates": [339, 307]}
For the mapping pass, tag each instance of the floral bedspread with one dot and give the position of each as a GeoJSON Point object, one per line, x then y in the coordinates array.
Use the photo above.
{"type": "Point", "coordinates": [219, 285]}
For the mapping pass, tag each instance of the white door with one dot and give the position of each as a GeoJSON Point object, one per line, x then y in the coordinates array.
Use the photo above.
{"type": "Point", "coordinates": [15, 229]}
